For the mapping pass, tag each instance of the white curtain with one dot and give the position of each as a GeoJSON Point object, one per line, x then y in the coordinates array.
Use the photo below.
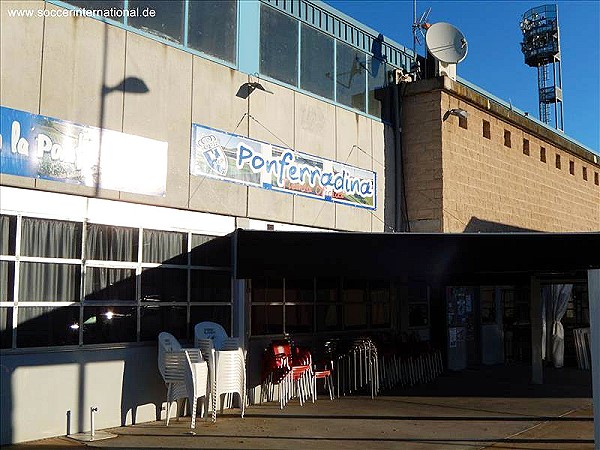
{"type": "Point", "coordinates": [555, 299]}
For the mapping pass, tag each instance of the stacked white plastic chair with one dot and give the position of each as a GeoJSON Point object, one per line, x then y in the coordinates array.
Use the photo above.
{"type": "Point", "coordinates": [172, 365]}
{"type": "Point", "coordinates": [230, 378]}
{"type": "Point", "coordinates": [197, 385]}
{"type": "Point", "coordinates": [211, 338]}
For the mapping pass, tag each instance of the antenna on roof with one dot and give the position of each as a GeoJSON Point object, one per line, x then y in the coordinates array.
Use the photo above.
{"type": "Point", "coordinates": [418, 30]}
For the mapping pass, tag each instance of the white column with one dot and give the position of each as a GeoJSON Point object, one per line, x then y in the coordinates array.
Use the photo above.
{"type": "Point", "coordinates": [535, 315]}
{"type": "Point", "coordinates": [594, 299]}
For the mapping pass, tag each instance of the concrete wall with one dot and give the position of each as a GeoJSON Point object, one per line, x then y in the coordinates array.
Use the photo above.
{"type": "Point", "coordinates": [56, 66]}
{"type": "Point", "coordinates": [458, 180]}
{"type": "Point", "coordinates": [49, 394]}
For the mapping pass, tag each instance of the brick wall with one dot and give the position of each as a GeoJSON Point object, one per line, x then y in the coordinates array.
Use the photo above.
{"type": "Point", "coordinates": [468, 182]}
{"type": "Point", "coordinates": [422, 145]}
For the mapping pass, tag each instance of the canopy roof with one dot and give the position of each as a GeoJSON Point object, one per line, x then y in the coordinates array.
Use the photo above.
{"type": "Point", "coordinates": [413, 255]}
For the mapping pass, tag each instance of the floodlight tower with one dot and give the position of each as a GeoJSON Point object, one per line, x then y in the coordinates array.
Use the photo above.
{"type": "Point", "coordinates": [541, 47]}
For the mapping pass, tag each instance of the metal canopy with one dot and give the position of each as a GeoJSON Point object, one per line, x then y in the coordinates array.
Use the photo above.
{"type": "Point", "coordinates": [401, 255]}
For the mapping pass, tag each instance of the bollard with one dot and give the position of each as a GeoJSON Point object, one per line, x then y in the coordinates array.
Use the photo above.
{"type": "Point", "coordinates": [93, 409]}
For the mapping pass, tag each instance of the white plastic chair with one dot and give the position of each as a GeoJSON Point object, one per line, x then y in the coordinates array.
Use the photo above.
{"type": "Point", "coordinates": [172, 365]}
{"type": "Point", "coordinates": [196, 382]}
{"type": "Point", "coordinates": [230, 378]}
{"type": "Point", "coordinates": [210, 330]}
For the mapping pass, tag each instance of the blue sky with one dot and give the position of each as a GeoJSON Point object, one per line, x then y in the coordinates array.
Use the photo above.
{"type": "Point", "coordinates": [495, 62]}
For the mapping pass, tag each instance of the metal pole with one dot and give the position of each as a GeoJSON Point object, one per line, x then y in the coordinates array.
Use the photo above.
{"type": "Point", "coordinates": [594, 304]}
{"type": "Point", "coordinates": [93, 410]}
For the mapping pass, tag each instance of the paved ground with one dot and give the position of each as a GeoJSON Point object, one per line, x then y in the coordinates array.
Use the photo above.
{"type": "Point", "coordinates": [487, 408]}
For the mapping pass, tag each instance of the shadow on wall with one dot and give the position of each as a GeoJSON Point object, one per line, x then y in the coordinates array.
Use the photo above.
{"type": "Point", "coordinates": [141, 380]}
{"type": "Point", "coordinates": [477, 225]}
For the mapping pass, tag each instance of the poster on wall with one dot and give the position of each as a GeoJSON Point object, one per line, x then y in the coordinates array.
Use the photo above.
{"type": "Point", "coordinates": [238, 159]}
{"type": "Point", "coordinates": [42, 147]}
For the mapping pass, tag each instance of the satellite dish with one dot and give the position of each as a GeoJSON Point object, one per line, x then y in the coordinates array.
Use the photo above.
{"type": "Point", "coordinates": [446, 43]}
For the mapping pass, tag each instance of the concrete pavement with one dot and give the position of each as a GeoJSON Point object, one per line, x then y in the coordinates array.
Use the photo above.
{"type": "Point", "coordinates": [449, 413]}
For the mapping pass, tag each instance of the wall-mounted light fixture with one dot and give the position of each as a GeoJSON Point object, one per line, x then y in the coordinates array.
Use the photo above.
{"type": "Point", "coordinates": [458, 112]}
{"type": "Point", "coordinates": [248, 88]}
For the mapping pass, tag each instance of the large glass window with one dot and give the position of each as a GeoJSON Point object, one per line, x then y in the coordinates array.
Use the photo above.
{"type": "Point", "coordinates": [107, 283]}
{"type": "Point", "coordinates": [354, 295]}
{"type": "Point", "coordinates": [40, 326]}
{"type": "Point", "coordinates": [316, 62]}
{"type": "Point", "coordinates": [165, 285]}
{"type": "Point", "coordinates": [49, 282]}
{"type": "Point", "coordinates": [122, 286]}
{"type": "Point", "coordinates": [377, 79]}
{"type": "Point", "coordinates": [51, 238]}
{"type": "Point", "coordinates": [351, 77]}
{"type": "Point", "coordinates": [6, 318]}
{"type": "Point", "coordinates": [155, 319]}
{"type": "Point", "coordinates": [165, 247]}
{"type": "Point", "coordinates": [165, 18]}
{"type": "Point", "coordinates": [329, 307]}
{"type": "Point", "coordinates": [7, 278]}
{"type": "Point", "coordinates": [210, 286]}
{"type": "Point", "coordinates": [8, 233]}
{"type": "Point", "coordinates": [210, 251]}
{"type": "Point", "coordinates": [109, 324]}
{"type": "Point", "coordinates": [278, 45]}
{"type": "Point", "coordinates": [212, 28]}
{"type": "Point", "coordinates": [109, 243]}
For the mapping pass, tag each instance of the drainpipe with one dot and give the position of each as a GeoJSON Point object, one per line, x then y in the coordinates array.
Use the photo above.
{"type": "Point", "coordinates": [400, 224]}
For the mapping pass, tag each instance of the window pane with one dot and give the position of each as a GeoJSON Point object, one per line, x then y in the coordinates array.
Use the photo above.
{"type": "Point", "coordinates": [7, 281]}
{"type": "Point", "coordinates": [155, 319]}
{"type": "Point", "coordinates": [299, 290]}
{"type": "Point", "coordinates": [299, 318]}
{"type": "Point", "coordinates": [102, 4]}
{"type": "Point", "coordinates": [51, 238]}
{"type": "Point", "coordinates": [328, 317]}
{"type": "Point", "coordinates": [108, 243]}
{"type": "Point", "coordinates": [6, 318]}
{"type": "Point", "coordinates": [278, 45]}
{"type": "Point", "coordinates": [40, 326]}
{"type": "Point", "coordinates": [355, 315]}
{"type": "Point", "coordinates": [327, 289]}
{"type": "Point", "coordinates": [211, 251]}
{"type": "Point", "coordinates": [109, 284]}
{"type": "Point", "coordinates": [167, 21]}
{"type": "Point", "coordinates": [210, 286]}
{"type": "Point", "coordinates": [8, 234]}
{"type": "Point", "coordinates": [354, 291]}
{"type": "Point", "coordinates": [46, 282]}
{"type": "Point", "coordinates": [217, 314]}
{"type": "Point", "coordinates": [267, 290]}
{"type": "Point", "coordinates": [418, 315]}
{"type": "Point", "coordinates": [165, 285]}
{"type": "Point", "coordinates": [107, 324]}
{"type": "Point", "coordinates": [377, 79]}
{"type": "Point", "coordinates": [213, 27]}
{"type": "Point", "coordinates": [351, 76]}
{"type": "Point", "coordinates": [267, 319]}
{"type": "Point", "coordinates": [380, 315]}
{"type": "Point", "coordinates": [316, 62]}
{"type": "Point", "coordinates": [165, 247]}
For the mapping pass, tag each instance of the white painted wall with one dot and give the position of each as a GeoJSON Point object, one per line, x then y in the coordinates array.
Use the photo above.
{"type": "Point", "coordinates": [41, 389]}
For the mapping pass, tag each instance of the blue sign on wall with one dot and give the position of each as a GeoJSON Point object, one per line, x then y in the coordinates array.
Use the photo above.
{"type": "Point", "coordinates": [37, 146]}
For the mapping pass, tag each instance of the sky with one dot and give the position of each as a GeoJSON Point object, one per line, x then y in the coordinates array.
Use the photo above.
{"type": "Point", "coordinates": [494, 61]}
